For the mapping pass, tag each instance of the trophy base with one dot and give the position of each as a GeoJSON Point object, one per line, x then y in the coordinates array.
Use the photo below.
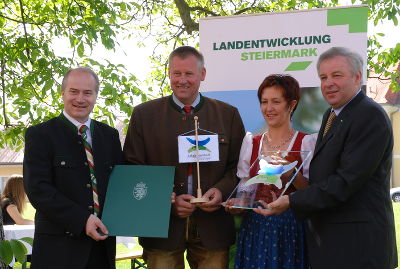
{"type": "Point", "coordinates": [199, 200]}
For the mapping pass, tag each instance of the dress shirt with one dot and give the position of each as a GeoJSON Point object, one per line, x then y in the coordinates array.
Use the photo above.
{"type": "Point", "coordinates": [78, 124]}
{"type": "Point", "coordinates": [181, 105]}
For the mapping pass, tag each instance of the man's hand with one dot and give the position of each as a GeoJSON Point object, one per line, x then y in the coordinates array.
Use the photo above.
{"type": "Point", "coordinates": [215, 197]}
{"type": "Point", "coordinates": [173, 197]}
{"type": "Point", "coordinates": [275, 208]}
{"type": "Point", "coordinates": [181, 205]}
{"type": "Point", "coordinates": [92, 224]}
{"type": "Point", "coordinates": [228, 206]}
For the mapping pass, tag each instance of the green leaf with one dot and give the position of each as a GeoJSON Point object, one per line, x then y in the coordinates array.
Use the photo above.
{"type": "Point", "coordinates": [28, 240]}
{"type": "Point", "coordinates": [48, 85]}
{"type": "Point", "coordinates": [19, 250]}
{"type": "Point", "coordinates": [6, 252]}
{"type": "Point", "coordinates": [81, 49]}
{"type": "Point", "coordinates": [23, 109]}
{"type": "Point", "coordinates": [395, 21]}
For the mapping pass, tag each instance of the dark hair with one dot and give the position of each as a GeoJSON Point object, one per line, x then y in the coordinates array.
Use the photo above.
{"type": "Point", "coordinates": [81, 69]}
{"type": "Point", "coordinates": [185, 51]}
{"type": "Point", "coordinates": [15, 191]}
{"type": "Point", "coordinates": [289, 85]}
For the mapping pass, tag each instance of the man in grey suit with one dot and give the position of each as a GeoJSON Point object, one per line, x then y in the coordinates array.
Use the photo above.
{"type": "Point", "coordinates": [66, 171]}
{"type": "Point", "coordinates": [347, 205]}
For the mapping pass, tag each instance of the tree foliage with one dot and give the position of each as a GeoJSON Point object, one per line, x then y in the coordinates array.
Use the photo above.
{"type": "Point", "coordinates": [31, 70]}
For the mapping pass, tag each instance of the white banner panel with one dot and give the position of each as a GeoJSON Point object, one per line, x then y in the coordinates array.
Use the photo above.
{"type": "Point", "coordinates": [240, 51]}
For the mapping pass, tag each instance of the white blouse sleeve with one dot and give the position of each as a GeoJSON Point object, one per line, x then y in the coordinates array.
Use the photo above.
{"type": "Point", "coordinates": [243, 167]}
{"type": "Point", "coordinates": [308, 144]}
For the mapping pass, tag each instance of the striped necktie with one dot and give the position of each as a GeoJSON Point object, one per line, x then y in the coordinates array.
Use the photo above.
{"type": "Point", "coordinates": [89, 156]}
{"type": "Point", "coordinates": [329, 122]}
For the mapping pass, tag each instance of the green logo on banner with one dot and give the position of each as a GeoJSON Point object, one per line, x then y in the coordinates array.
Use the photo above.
{"type": "Point", "coordinates": [356, 18]}
{"type": "Point", "coordinates": [298, 66]}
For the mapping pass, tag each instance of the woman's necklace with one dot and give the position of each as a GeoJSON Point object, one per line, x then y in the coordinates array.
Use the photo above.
{"type": "Point", "coordinates": [268, 140]}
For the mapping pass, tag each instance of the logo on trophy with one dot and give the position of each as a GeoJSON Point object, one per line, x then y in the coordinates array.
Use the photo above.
{"type": "Point", "coordinates": [272, 173]}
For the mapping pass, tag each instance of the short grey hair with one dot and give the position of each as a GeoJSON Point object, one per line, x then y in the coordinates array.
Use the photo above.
{"type": "Point", "coordinates": [81, 69]}
{"type": "Point", "coordinates": [185, 51]}
{"type": "Point", "coordinates": [355, 60]}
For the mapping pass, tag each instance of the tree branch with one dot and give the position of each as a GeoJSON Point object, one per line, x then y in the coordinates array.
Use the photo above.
{"type": "Point", "coordinates": [3, 86]}
{"type": "Point", "coordinates": [28, 53]}
{"type": "Point", "coordinates": [379, 77]}
{"type": "Point", "coordinates": [205, 11]}
{"type": "Point", "coordinates": [184, 13]}
{"type": "Point", "coordinates": [252, 6]}
{"type": "Point", "coordinates": [23, 22]}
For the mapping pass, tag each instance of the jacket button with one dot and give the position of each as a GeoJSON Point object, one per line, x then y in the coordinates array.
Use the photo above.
{"type": "Point", "coordinates": [62, 163]}
{"type": "Point", "coordinates": [90, 207]}
{"type": "Point", "coordinates": [86, 163]}
{"type": "Point", "coordinates": [222, 140]}
{"type": "Point", "coordinates": [79, 142]}
{"type": "Point", "coordinates": [88, 186]}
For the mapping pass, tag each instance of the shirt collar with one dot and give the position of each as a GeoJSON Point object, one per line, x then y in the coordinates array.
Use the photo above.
{"type": "Point", "coordinates": [181, 105]}
{"type": "Point", "coordinates": [338, 110]}
{"type": "Point", "coordinates": [75, 122]}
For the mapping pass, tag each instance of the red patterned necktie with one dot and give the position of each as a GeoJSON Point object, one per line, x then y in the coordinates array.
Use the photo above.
{"type": "Point", "coordinates": [89, 156]}
{"type": "Point", "coordinates": [188, 110]}
{"type": "Point", "coordinates": [329, 122]}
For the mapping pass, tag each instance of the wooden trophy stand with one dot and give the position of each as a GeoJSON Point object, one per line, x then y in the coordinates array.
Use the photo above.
{"type": "Point", "coordinates": [199, 199]}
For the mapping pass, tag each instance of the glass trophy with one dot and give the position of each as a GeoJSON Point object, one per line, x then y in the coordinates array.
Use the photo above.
{"type": "Point", "coordinates": [272, 173]}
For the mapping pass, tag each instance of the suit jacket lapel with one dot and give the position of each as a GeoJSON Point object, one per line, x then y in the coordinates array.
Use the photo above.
{"type": "Point", "coordinates": [321, 141]}
{"type": "Point", "coordinates": [96, 141]}
{"type": "Point", "coordinates": [68, 124]}
{"type": "Point", "coordinates": [98, 147]}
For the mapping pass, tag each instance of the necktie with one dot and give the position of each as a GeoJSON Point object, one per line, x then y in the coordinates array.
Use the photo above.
{"type": "Point", "coordinates": [89, 156]}
{"type": "Point", "coordinates": [329, 122]}
{"type": "Point", "coordinates": [188, 110]}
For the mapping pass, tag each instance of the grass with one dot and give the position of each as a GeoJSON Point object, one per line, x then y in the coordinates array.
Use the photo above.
{"type": "Point", "coordinates": [30, 212]}
{"type": "Point", "coordinates": [396, 210]}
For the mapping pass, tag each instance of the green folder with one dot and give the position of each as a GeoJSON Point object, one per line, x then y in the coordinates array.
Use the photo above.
{"type": "Point", "coordinates": [138, 200]}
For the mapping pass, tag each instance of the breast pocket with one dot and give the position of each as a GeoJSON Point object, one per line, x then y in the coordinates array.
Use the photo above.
{"type": "Point", "coordinates": [64, 162]}
{"type": "Point", "coordinates": [66, 169]}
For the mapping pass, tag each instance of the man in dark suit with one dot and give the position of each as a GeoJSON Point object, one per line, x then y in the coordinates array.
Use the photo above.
{"type": "Point", "coordinates": [205, 230]}
{"type": "Point", "coordinates": [347, 205]}
{"type": "Point", "coordinates": [66, 170]}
